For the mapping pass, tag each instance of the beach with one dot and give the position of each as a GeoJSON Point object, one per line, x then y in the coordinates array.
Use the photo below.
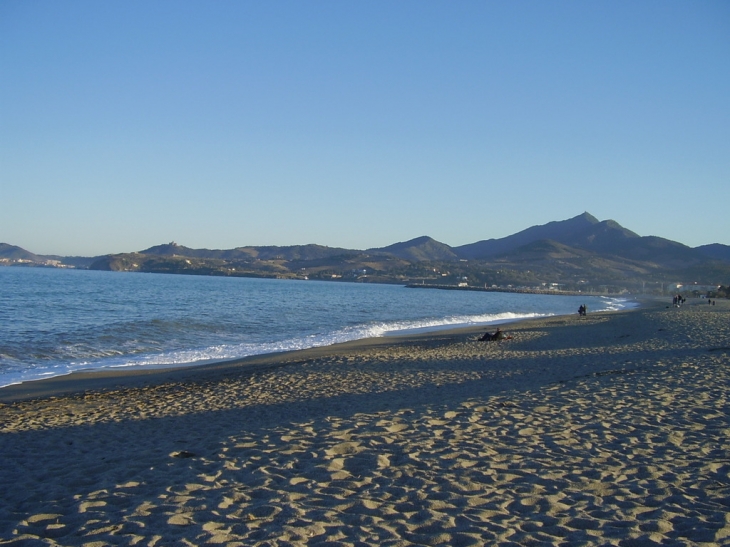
{"type": "Point", "coordinates": [610, 429]}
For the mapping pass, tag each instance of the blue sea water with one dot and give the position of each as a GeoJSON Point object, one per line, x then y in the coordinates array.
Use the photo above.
{"type": "Point", "coordinates": [55, 321]}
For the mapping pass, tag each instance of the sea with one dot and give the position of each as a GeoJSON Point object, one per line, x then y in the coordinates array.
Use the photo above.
{"type": "Point", "coordinates": [57, 321]}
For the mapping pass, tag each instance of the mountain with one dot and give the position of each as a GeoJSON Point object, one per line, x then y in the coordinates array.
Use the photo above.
{"type": "Point", "coordinates": [292, 252]}
{"type": "Point", "coordinates": [561, 231]}
{"type": "Point", "coordinates": [571, 265]}
{"type": "Point", "coordinates": [13, 252]}
{"type": "Point", "coordinates": [173, 249]}
{"type": "Point", "coordinates": [580, 253]}
{"type": "Point", "coordinates": [607, 236]}
{"type": "Point", "coordinates": [419, 250]}
{"type": "Point", "coordinates": [715, 251]}
{"type": "Point", "coordinates": [543, 249]}
{"type": "Point", "coordinates": [585, 232]}
{"type": "Point", "coordinates": [659, 251]}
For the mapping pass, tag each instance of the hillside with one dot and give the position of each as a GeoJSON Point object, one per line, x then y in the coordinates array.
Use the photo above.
{"type": "Point", "coordinates": [564, 231]}
{"type": "Point", "coordinates": [419, 250]}
{"type": "Point", "coordinates": [715, 251]}
{"type": "Point", "coordinates": [13, 252]}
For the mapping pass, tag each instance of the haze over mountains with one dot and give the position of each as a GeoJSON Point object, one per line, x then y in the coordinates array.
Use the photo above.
{"type": "Point", "coordinates": [575, 253]}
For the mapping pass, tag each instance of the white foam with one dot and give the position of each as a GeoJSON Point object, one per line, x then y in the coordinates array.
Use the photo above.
{"type": "Point", "coordinates": [224, 352]}
{"type": "Point", "coordinates": [347, 334]}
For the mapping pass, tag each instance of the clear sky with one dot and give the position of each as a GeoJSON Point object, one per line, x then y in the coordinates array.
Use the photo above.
{"type": "Point", "coordinates": [126, 124]}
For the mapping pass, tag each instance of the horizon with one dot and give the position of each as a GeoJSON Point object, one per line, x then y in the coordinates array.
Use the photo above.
{"type": "Point", "coordinates": [354, 125]}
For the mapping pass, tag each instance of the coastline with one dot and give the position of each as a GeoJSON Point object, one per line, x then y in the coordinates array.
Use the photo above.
{"type": "Point", "coordinates": [606, 429]}
{"type": "Point", "coordinates": [551, 292]}
{"type": "Point", "coordinates": [84, 381]}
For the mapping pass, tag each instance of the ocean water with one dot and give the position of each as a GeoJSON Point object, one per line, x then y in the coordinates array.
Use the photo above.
{"type": "Point", "coordinates": [55, 321]}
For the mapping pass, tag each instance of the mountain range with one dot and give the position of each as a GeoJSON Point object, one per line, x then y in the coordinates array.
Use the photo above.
{"type": "Point", "coordinates": [578, 253]}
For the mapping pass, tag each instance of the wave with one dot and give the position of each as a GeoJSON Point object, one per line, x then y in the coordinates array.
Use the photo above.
{"type": "Point", "coordinates": [106, 358]}
{"type": "Point", "coordinates": [348, 334]}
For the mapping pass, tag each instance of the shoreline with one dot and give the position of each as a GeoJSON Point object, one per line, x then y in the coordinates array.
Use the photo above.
{"type": "Point", "coordinates": [610, 429]}
{"type": "Point", "coordinates": [552, 292]}
{"type": "Point", "coordinates": [106, 379]}
{"type": "Point", "coordinates": [83, 381]}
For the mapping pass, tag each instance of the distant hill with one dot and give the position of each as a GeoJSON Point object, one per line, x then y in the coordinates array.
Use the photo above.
{"type": "Point", "coordinates": [13, 252]}
{"type": "Point", "coordinates": [580, 253]}
{"type": "Point", "coordinates": [715, 251]}
{"type": "Point", "coordinates": [607, 238]}
{"type": "Point", "coordinates": [293, 252]}
{"type": "Point", "coordinates": [173, 249]}
{"type": "Point", "coordinates": [563, 231]}
{"type": "Point", "coordinates": [659, 251]}
{"type": "Point", "coordinates": [420, 249]}
{"type": "Point", "coordinates": [571, 265]}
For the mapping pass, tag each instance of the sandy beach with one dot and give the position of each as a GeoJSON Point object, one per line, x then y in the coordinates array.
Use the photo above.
{"type": "Point", "coordinates": [611, 429]}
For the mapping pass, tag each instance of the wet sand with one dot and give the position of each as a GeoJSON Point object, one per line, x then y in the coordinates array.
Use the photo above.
{"type": "Point", "coordinates": [606, 430]}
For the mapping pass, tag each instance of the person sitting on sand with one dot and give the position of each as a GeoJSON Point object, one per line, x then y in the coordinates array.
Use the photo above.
{"type": "Point", "coordinates": [498, 335]}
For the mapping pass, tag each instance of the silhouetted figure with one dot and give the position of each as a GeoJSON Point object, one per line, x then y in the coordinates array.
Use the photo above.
{"type": "Point", "coordinates": [497, 336]}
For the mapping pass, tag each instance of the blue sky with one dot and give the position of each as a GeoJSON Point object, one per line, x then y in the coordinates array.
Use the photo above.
{"type": "Point", "coordinates": [358, 124]}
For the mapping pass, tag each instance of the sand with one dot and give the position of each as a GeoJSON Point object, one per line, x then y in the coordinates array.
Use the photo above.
{"type": "Point", "coordinates": [607, 430]}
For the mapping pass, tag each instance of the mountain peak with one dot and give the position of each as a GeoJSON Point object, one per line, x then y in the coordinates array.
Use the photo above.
{"type": "Point", "coordinates": [563, 231]}
{"type": "Point", "coordinates": [420, 248]}
{"type": "Point", "coordinates": [587, 217]}
{"type": "Point", "coordinates": [166, 249]}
